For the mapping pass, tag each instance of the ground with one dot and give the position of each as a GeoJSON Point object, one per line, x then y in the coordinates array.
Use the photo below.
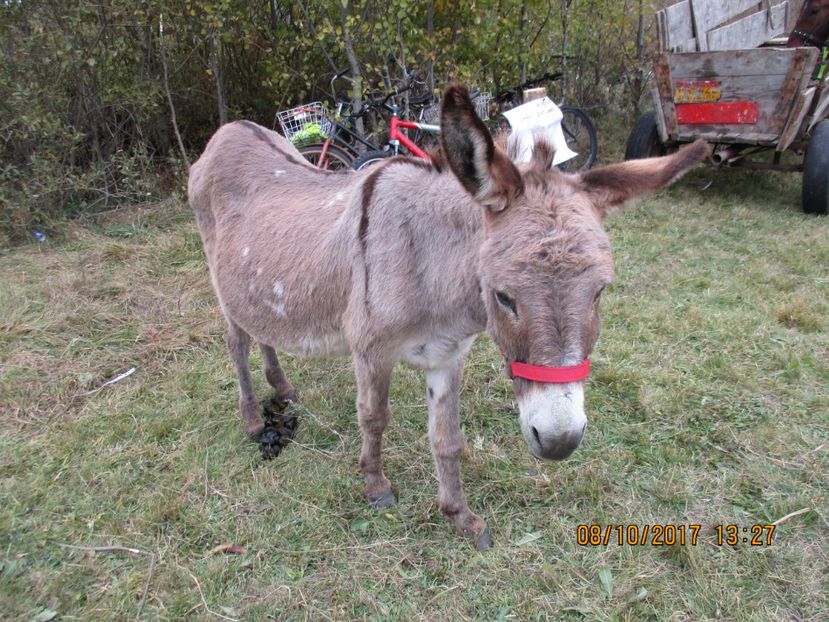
{"type": "Point", "coordinates": [708, 406]}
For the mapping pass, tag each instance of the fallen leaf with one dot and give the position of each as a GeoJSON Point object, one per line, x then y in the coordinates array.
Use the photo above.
{"type": "Point", "coordinates": [606, 577]}
{"type": "Point", "coordinates": [529, 537]}
{"type": "Point", "coordinates": [45, 615]}
{"type": "Point", "coordinates": [228, 548]}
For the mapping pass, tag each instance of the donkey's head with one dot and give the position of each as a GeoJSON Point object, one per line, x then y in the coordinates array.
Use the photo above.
{"type": "Point", "coordinates": [812, 25]}
{"type": "Point", "coordinates": [544, 263]}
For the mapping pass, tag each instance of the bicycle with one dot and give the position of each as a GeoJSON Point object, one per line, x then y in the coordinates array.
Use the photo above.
{"type": "Point", "coordinates": [579, 131]}
{"type": "Point", "coordinates": [321, 138]}
{"type": "Point", "coordinates": [398, 138]}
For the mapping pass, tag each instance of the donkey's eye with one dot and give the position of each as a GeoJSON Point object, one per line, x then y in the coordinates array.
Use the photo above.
{"type": "Point", "coordinates": [506, 302]}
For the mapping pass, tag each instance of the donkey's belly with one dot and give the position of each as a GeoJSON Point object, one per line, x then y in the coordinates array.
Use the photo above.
{"type": "Point", "coordinates": [289, 311]}
{"type": "Point", "coordinates": [316, 345]}
{"type": "Point", "coordinates": [436, 353]}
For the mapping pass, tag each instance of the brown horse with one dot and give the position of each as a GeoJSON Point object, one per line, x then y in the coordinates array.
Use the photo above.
{"type": "Point", "coordinates": [409, 261]}
{"type": "Point", "coordinates": [812, 26]}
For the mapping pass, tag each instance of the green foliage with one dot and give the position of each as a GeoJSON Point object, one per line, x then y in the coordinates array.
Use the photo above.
{"type": "Point", "coordinates": [86, 117]}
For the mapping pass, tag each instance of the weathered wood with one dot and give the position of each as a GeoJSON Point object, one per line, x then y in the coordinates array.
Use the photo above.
{"type": "Point", "coordinates": [750, 31]}
{"type": "Point", "coordinates": [757, 75]}
{"type": "Point", "coordinates": [800, 71]}
{"type": "Point", "coordinates": [660, 117]}
{"type": "Point", "coordinates": [709, 14]}
{"type": "Point", "coordinates": [716, 135]}
{"type": "Point", "coordinates": [821, 109]}
{"type": "Point", "coordinates": [799, 112]}
{"type": "Point", "coordinates": [678, 28]}
{"type": "Point", "coordinates": [712, 65]}
{"type": "Point", "coordinates": [664, 84]}
{"type": "Point", "coordinates": [661, 31]}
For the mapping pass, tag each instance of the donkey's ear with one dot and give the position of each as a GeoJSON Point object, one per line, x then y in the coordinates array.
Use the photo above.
{"type": "Point", "coordinates": [612, 186]}
{"type": "Point", "coordinates": [483, 169]}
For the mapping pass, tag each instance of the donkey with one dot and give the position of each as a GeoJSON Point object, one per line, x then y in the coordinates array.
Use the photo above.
{"type": "Point", "coordinates": [410, 260]}
{"type": "Point", "coordinates": [812, 25]}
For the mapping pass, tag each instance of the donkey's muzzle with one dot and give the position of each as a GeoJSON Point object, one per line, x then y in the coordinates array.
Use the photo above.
{"type": "Point", "coordinates": [557, 447]}
{"type": "Point", "coordinates": [553, 419]}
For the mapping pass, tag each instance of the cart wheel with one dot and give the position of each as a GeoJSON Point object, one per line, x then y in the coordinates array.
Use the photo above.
{"type": "Point", "coordinates": [816, 171]}
{"type": "Point", "coordinates": [644, 139]}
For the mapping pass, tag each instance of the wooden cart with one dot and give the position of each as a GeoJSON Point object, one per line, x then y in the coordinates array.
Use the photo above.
{"type": "Point", "coordinates": [743, 101]}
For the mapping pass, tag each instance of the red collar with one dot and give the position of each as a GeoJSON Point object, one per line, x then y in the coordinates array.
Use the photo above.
{"type": "Point", "coordinates": [556, 375]}
{"type": "Point", "coordinates": [553, 375]}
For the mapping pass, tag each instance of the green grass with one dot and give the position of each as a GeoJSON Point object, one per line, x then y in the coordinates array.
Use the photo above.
{"type": "Point", "coordinates": [708, 405]}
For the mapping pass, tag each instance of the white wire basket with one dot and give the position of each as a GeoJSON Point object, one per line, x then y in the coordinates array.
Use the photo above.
{"type": "Point", "coordinates": [308, 122]}
{"type": "Point", "coordinates": [431, 114]}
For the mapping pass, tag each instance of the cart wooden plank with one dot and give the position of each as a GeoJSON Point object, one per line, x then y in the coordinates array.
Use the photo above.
{"type": "Point", "coordinates": [708, 14]}
{"type": "Point", "coordinates": [717, 135]}
{"type": "Point", "coordinates": [661, 129]}
{"type": "Point", "coordinates": [821, 109]}
{"type": "Point", "coordinates": [800, 71]}
{"type": "Point", "coordinates": [729, 85]}
{"type": "Point", "coordinates": [676, 28]}
{"type": "Point", "coordinates": [750, 31]}
{"type": "Point", "coordinates": [794, 126]}
{"type": "Point", "coordinates": [664, 85]}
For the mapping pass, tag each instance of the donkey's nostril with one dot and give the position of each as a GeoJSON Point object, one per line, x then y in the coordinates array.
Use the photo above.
{"type": "Point", "coordinates": [535, 434]}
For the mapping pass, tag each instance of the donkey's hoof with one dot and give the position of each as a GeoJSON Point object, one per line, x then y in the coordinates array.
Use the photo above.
{"type": "Point", "coordinates": [483, 540]}
{"type": "Point", "coordinates": [291, 397]}
{"type": "Point", "coordinates": [254, 431]}
{"type": "Point", "coordinates": [381, 502]}
{"type": "Point", "coordinates": [279, 402]}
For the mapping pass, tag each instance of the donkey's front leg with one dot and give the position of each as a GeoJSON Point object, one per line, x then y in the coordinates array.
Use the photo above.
{"type": "Point", "coordinates": [373, 415]}
{"type": "Point", "coordinates": [442, 392]}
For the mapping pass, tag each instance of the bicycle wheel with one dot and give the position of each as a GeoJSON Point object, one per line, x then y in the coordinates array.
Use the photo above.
{"type": "Point", "coordinates": [369, 158]}
{"type": "Point", "coordinates": [580, 135]}
{"type": "Point", "coordinates": [335, 159]}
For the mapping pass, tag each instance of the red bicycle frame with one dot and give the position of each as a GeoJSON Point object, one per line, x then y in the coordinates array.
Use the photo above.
{"type": "Point", "coordinates": [396, 136]}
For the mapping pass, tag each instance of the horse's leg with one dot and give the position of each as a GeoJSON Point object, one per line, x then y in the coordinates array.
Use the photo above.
{"type": "Point", "coordinates": [238, 342]}
{"type": "Point", "coordinates": [285, 391]}
{"type": "Point", "coordinates": [373, 415]}
{"type": "Point", "coordinates": [446, 438]}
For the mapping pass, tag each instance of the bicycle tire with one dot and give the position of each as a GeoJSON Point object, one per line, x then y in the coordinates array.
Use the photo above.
{"type": "Point", "coordinates": [581, 137]}
{"type": "Point", "coordinates": [336, 159]}
{"type": "Point", "coordinates": [369, 158]}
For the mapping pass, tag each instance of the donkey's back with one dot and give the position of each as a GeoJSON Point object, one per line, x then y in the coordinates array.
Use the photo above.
{"type": "Point", "coordinates": [252, 178]}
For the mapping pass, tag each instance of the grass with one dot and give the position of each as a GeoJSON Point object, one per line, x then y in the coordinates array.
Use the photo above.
{"type": "Point", "coordinates": [708, 405]}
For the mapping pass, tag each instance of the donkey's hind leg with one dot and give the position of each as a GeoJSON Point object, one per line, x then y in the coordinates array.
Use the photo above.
{"type": "Point", "coordinates": [238, 342]}
{"type": "Point", "coordinates": [373, 414]}
{"type": "Point", "coordinates": [285, 391]}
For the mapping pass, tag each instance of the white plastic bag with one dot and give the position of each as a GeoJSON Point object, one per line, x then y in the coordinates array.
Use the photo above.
{"type": "Point", "coordinates": [539, 117]}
